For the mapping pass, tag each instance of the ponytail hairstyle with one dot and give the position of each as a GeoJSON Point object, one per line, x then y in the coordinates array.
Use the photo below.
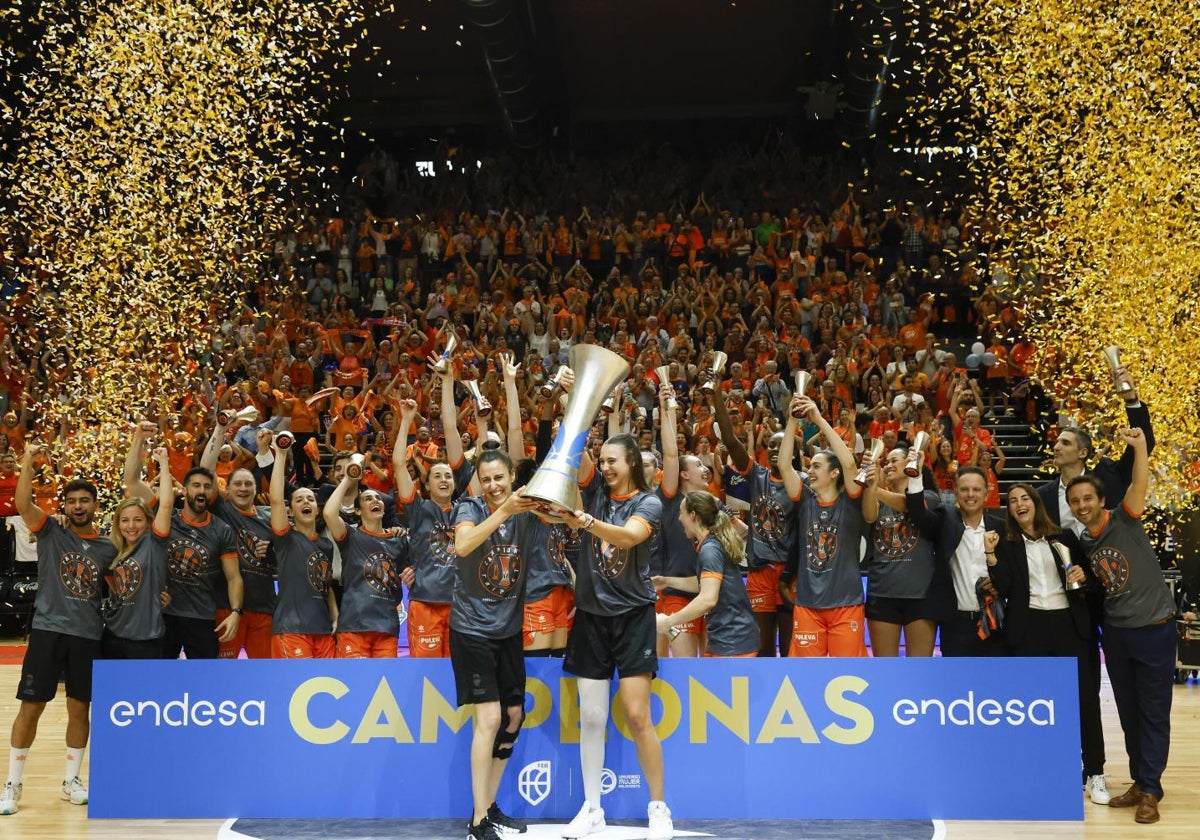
{"type": "Point", "coordinates": [704, 505]}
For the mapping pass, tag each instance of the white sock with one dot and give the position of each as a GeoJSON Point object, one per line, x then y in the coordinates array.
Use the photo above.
{"type": "Point", "coordinates": [594, 699]}
{"type": "Point", "coordinates": [16, 764]}
{"type": "Point", "coordinates": [74, 763]}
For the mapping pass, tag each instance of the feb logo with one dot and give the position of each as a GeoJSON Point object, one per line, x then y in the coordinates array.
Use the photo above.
{"type": "Point", "coordinates": [186, 560]}
{"type": "Point", "coordinates": [895, 536]}
{"type": "Point", "coordinates": [441, 544]}
{"type": "Point", "coordinates": [767, 519]}
{"type": "Point", "coordinates": [126, 580]}
{"type": "Point", "coordinates": [822, 546]}
{"type": "Point", "coordinates": [79, 574]}
{"type": "Point", "coordinates": [318, 569]}
{"type": "Point", "coordinates": [382, 574]}
{"type": "Point", "coordinates": [500, 571]}
{"type": "Point", "coordinates": [534, 782]}
{"type": "Point", "coordinates": [1112, 567]}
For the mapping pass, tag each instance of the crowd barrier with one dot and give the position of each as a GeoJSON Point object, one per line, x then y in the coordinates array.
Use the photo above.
{"type": "Point", "coordinates": [989, 739]}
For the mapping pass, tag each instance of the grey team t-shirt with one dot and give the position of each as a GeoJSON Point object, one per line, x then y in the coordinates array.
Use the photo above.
{"type": "Point", "coordinates": [489, 589]}
{"type": "Point", "coordinates": [135, 584]}
{"type": "Point", "coordinates": [195, 578]}
{"type": "Point", "coordinates": [900, 560]}
{"type": "Point", "coordinates": [305, 569]}
{"type": "Point", "coordinates": [70, 580]}
{"type": "Point", "coordinates": [732, 628]}
{"type": "Point", "coordinates": [1135, 593]}
{"type": "Point", "coordinates": [828, 576]}
{"type": "Point", "coordinates": [258, 574]}
{"type": "Point", "coordinates": [371, 566]}
{"type": "Point", "coordinates": [773, 519]}
{"type": "Point", "coordinates": [609, 580]}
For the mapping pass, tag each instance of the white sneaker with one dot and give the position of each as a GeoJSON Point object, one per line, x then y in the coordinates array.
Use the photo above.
{"type": "Point", "coordinates": [74, 792]}
{"type": "Point", "coordinates": [9, 797]}
{"type": "Point", "coordinates": [1098, 790]}
{"type": "Point", "coordinates": [587, 821]}
{"type": "Point", "coordinates": [661, 827]}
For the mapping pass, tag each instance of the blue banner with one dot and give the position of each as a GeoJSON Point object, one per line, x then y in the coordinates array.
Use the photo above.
{"type": "Point", "coordinates": [771, 739]}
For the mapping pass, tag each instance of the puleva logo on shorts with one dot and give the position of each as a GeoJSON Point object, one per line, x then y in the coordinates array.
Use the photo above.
{"type": "Point", "coordinates": [382, 574]}
{"type": "Point", "coordinates": [822, 546]}
{"type": "Point", "coordinates": [186, 560]}
{"type": "Point", "coordinates": [318, 569]}
{"type": "Point", "coordinates": [1112, 567]}
{"type": "Point", "coordinates": [895, 536]}
{"type": "Point", "coordinates": [79, 574]}
{"type": "Point", "coordinates": [441, 544]}
{"type": "Point", "coordinates": [534, 782]}
{"type": "Point", "coordinates": [126, 579]}
{"type": "Point", "coordinates": [500, 570]}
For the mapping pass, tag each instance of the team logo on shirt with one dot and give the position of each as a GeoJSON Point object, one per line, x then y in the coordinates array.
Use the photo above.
{"type": "Point", "coordinates": [895, 536]}
{"type": "Point", "coordinates": [441, 544]}
{"type": "Point", "coordinates": [822, 546]}
{"type": "Point", "coordinates": [79, 574]}
{"type": "Point", "coordinates": [767, 518]}
{"type": "Point", "coordinates": [500, 571]}
{"type": "Point", "coordinates": [382, 574]}
{"type": "Point", "coordinates": [609, 560]}
{"type": "Point", "coordinates": [247, 550]}
{"type": "Point", "coordinates": [317, 569]}
{"type": "Point", "coordinates": [561, 543]}
{"type": "Point", "coordinates": [1112, 567]}
{"type": "Point", "coordinates": [186, 559]}
{"type": "Point", "coordinates": [126, 579]}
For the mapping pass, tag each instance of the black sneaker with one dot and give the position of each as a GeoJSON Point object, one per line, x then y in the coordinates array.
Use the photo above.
{"type": "Point", "coordinates": [505, 823]}
{"type": "Point", "coordinates": [483, 831]}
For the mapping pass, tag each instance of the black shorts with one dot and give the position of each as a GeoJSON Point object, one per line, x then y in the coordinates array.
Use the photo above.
{"type": "Point", "coordinates": [488, 670]}
{"type": "Point", "coordinates": [899, 610]}
{"type": "Point", "coordinates": [114, 647]}
{"type": "Point", "coordinates": [49, 656]}
{"type": "Point", "coordinates": [196, 637]}
{"type": "Point", "coordinates": [598, 644]}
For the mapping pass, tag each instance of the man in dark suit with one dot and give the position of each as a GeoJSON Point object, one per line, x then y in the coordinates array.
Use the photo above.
{"type": "Point", "coordinates": [957, 534]}
{"type": "Point", "coordinates": [1074, 448]}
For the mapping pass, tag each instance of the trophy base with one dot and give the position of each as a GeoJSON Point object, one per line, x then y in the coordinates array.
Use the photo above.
{"type": "Point", "coordinates": [550, 512]}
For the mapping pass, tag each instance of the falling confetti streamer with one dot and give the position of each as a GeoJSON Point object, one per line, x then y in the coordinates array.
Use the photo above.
{"type": "Point", "coordinates": [1088, 170]}
{"type": "Point", "coordinates": [157, 145]}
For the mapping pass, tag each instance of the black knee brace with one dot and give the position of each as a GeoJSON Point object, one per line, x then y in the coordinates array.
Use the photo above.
{"type": "Point", "coordinates": [503, 746]}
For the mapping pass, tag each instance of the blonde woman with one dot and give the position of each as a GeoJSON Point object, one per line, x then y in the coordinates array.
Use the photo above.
{"type": "Point", "coordinates": [137, 576]}
{"type": "Point", "coordinates": [732, 628]}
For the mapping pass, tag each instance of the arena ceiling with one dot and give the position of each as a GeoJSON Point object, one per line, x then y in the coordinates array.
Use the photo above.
{"type": "Point", "coordinates": [592, 61]}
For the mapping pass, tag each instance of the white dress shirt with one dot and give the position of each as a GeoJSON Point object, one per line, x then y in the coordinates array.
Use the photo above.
{"type": "Point", "coordinates": [1045, 589]}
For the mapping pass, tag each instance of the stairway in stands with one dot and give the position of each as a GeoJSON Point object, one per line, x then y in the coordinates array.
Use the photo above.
{"type": "Point", "coordinates": [1024, 450]}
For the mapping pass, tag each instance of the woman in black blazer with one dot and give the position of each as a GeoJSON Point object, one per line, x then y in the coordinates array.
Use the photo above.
{"type": "Point", "coordinates": [1046, 580]}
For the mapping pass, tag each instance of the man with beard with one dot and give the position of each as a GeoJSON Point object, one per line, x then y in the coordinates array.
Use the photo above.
{"type": "Point", "coordinates": [66, 629]}
{"type": "Point", "coordinates": [201, 555]}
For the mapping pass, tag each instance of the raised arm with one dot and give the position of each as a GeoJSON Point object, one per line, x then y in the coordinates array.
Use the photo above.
{"type": "Point", "coordinates": [454, 449]}
{"type": "Point", "coordinates": [670, 442]}
{"type": "Point", "coordinates": [1135, 496]}
{"type": "Point", "coordinates": [332, 512]}
{"type": "Point", "coordinates": [836, 445]}
{"type": "Point", "coordinates": [405, 490]}
{"type": "Point", "coordinates": [787, 448]}
{"type": "Point", "coordinates": [277, 491]}
{"type": "Point", "coordinates": [738, 453]}
{"type": "Point", "coordinates": [166, 497]}
{"type": "Point", "coordinates": [33, 515]}
{"type": "Point", "coordinates": [212, 449]}
{"type": "Point", "coordinates": [512, 400]}
{"type": "Point", "coordinates": [135, 485]}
